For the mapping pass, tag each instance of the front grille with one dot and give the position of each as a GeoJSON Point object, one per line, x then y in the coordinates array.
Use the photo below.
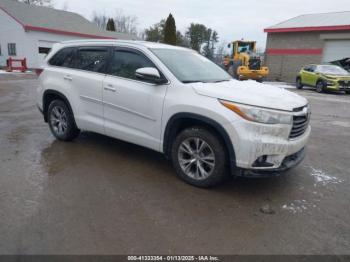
{"type": "Point", "coordinates": [300, 124]}
{"type": "Point", "coordinates": [344, 83]}
{"type": "Point", "coordinates": [254, 63]}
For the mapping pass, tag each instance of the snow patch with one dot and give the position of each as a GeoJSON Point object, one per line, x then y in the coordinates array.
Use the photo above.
{"type": "Point", "coordinates": [321, 178]}
{"type": "Point", "coordinates": [298, 206]}
{"type": "Point", "coordinates": [282, 85]}
{"type": "Point", "coordinates": [15, 72]}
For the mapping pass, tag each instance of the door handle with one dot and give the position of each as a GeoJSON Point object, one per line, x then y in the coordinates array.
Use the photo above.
{"type": "Point", "coordinates": [68, 77]}
{"type": "Point", "coordinates": [110, 87]}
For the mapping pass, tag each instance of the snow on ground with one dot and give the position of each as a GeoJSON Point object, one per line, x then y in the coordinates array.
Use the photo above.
{"type": "Point", "coordinates": [321, 178]}
{"type": "Point", "coordinates": [283, 85]}
{"type": "Point", "coordinates": [298, 206]}
{"type": "Point", "coordinates": [15, 72]}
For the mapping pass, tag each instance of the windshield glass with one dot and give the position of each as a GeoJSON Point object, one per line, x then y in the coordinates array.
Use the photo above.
{"type": "Point", "coordinates": [332, 70]}
{"type": "Point", "coordinates": [189, 66]}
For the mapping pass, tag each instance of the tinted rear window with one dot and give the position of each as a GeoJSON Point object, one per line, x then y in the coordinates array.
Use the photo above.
{"type": "Point", "coordinates": [63, 58]}
{"type": "Point", "coordinates": [91, 59]}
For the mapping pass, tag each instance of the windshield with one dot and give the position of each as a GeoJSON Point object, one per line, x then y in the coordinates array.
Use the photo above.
{"type": "Point", "coordinates": [189, 66]}
{"type": "Point", "coordinates": [332, 70]}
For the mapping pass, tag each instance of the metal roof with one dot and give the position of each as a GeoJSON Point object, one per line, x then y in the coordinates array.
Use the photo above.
{"type": "Point", "coordinates": [39, 18]}
{"type": "Point", "coordinates": [314, 22]}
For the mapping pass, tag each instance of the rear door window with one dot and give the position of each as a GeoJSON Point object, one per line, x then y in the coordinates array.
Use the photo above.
{"type": "Point", "coordinates": [91, 59]}
{"type": "Point", "coordinates": [63, 58]}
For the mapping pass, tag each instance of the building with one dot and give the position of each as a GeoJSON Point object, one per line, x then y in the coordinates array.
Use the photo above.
{"type": "Point", "coordinates": [312, 38]}
{"type": "Point", "coordinates": [28, 31]}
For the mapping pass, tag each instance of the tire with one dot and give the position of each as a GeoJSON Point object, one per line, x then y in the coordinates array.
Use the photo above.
{"type": "Point", "coordinates": [347, 92]}
{"type": "Point", "coordinates": [205, 167]}
{"type": "Point", "coordinates": [261, 80]}
{"type": "Point", "coordinates": [232, 70]}
{"type": "Point", "coordinates": [61, 121]}
{"type": "Point", "coordinates": [299, 84]}
{"type": "Point", "coordinates": [320, 87]}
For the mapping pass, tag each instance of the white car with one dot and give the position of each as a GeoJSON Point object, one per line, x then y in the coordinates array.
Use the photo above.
{"type": "Point", "coordinates": [175, 101]}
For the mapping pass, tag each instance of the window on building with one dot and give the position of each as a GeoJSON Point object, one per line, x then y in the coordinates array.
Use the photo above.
{"type": "Point", "coordinates": [63, 57]}
{"type": "Point", "coordinates": [125, 63]}
{"type": "Point", "coordinates": [91, 58]}
{"type": "Point", "coordinates": [11, 49]}
{"type": "Point", "coordinates": [44, 50]}
{"type": "Point", "coordinates": [0, 50]}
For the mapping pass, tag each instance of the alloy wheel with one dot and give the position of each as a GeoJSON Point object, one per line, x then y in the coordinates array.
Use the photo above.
{"type": "Point", "coordinates": [58, 120]}
{"type": "Point", "coordinates": [196, 158]}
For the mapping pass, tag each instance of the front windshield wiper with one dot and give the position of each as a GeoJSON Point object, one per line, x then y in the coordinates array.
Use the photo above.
{"type": "Point", "coordinates": [223, 80]}
{"type": "Point", "coordinates": [192, 81]}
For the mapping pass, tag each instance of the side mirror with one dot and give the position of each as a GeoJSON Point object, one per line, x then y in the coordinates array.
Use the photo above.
{"type": "Point", "coordinates": [149, 74]}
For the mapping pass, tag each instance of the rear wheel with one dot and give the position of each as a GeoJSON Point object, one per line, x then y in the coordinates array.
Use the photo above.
{"type": "Point", "coordinates": [61, 121]}
{"type": "Point", "coordinates": [320, 87]}
{"type": "Point", "coordinates": [299, 84]}
{"type": "Point", "coordinates": [199, 157]}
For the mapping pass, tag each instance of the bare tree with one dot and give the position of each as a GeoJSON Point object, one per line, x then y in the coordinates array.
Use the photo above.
{"type": "Point", "coordinates": [48, 3]}
{"type": "Point", "coordinates": [125, 23]}
{"type": "Point", "coordinates": [100, 19]}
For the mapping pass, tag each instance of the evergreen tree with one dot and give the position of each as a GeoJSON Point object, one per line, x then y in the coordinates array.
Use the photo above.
{"type": "Point", "coordinates": [170, 31]}
{"type": "Point", "coordinates": [110, 25]}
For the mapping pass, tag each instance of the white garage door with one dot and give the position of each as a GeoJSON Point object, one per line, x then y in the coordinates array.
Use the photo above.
{"type": "Point", "coordinates": [336, 50]}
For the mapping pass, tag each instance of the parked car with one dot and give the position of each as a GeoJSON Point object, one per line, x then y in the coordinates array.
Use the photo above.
{"type": "Point", "coordinates": [175, 101]}
{"type": "Point", "coordinates": [324, 78]}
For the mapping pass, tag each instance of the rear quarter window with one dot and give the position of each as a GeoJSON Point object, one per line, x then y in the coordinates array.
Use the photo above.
{"type": "Point", "coordinates": [63, 58]}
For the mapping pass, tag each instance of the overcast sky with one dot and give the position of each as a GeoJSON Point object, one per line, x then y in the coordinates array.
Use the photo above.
{"type": "Point", "coordinates": [232, 19]}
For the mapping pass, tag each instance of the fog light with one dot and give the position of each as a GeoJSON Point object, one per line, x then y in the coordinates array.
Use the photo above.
{"type": "Point", "coordinates": [261, 162]}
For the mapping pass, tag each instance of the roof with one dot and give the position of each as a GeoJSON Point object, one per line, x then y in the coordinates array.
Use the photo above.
{"type": "Point", "coordinates": [313, 22]}
{"type": "Point", "coordinates": [39, 18]}
{"type": "Point", "coordinates": [146, 44]}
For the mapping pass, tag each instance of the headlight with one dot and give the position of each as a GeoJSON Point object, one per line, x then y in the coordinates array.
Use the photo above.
{"type": "Point", "coordinates": [259, 115]}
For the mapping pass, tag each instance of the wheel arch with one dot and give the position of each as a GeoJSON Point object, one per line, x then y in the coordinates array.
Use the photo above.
{"type": "Point", "coordinates": [180, 121]}
{"type": "Point", "coordinates": [51, 95]}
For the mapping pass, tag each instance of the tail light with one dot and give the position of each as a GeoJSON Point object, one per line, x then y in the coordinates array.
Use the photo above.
{"type": "Point", "coordinates": [38, 71]}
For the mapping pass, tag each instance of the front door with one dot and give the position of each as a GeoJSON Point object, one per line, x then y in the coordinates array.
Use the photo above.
{"type": "Point", "coordinates": [309, 75]}
{"type": "Point", "coordinates": [132, 108]}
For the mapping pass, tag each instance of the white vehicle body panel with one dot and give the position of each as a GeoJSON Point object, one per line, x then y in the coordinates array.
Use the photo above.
{"type": "Point", "coordinates": [139, 112]}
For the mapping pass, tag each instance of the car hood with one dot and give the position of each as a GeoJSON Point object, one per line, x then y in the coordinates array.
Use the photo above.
{"type": "Point", "coordinates": [251, 93]}
{"type": "Point", "coordinates": [337, 76]}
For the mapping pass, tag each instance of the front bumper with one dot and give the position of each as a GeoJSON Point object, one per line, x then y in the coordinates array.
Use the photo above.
{"type": "Point", "coordinates": [288, 163]}
{"type": "Point", "coordinates": [252, 141]}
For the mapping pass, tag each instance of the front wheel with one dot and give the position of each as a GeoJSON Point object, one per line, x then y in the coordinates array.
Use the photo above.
{"type": "Point", "coordinates": [299, 84]}
{"type": "Point", "coordinates": [320, 87]}
{"type": "Point", "coordinates": [199, 157]}
{"type": "Point", "coordinates": [61, 121]}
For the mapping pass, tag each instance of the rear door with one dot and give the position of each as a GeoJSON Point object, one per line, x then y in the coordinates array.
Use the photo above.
{"type": "Point", "coordinates": [86, 80]}
{"type": "Point", "coordinates": [132, 108]}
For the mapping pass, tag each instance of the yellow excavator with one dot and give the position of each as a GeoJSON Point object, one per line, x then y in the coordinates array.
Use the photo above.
{"type": "Point", "coordinates": [244, 63]}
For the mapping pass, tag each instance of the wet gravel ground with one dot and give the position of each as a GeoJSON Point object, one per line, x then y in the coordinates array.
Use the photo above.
{"type": "Point", "coordinates": [98, 195]}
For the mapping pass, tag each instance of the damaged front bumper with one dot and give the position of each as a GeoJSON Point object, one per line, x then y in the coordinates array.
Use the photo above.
{"type": "Point", "coordinates": [288, 163]}
{"type": "Point", "coordinates": [265, 150]}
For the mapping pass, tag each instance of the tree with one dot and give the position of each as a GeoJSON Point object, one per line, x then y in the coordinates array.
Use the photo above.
{"type": "Point", "coordinates": [211, 38]}
{"type": "Point", "coordinates": [110, 25]}
{"type": "Point", "coordinates": [100, 20]}
{"type": "Point", "coordinates": [37, 2]}
{"type": "Point", "coordinates": [170, 30]}
{"type": "Point", "coordinates": [156, 32]}
{"type": "Point", "coordinates": [125, 23]}
{"type": "Point", "coordinates": [197, 35]}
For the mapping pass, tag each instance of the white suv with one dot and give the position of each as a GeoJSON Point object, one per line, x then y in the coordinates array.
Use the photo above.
{"type": "Point", "coordinates": [174, 101]}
